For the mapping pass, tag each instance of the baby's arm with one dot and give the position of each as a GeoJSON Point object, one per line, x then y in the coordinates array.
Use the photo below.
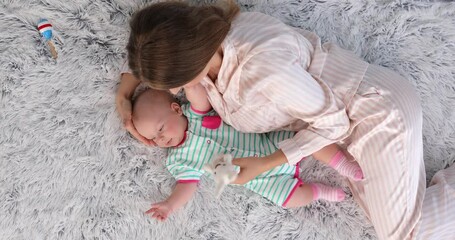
{"type": "Point", "coordinates": [197, 96]}
{"type": "Point", "coordinates": [182, 193]}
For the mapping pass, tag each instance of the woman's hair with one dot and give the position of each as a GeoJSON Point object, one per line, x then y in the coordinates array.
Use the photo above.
{"type": "Point", "coordinates": [172, 42]}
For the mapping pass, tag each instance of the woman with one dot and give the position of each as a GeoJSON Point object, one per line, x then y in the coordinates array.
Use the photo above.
{"type": "Point", "coordinates": [262, 75]}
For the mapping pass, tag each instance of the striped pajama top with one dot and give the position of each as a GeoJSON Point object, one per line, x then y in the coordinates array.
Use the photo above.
{"type": "Point", "coordinates": [274, 76]}
{"type": "Point", "coordinates": [266, 64]}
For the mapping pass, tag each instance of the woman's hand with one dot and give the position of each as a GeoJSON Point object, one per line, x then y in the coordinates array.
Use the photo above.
{"type": "Point", "coordinates": [128, 84]}
{"type": "Point", "coordinates": [124, 108]}
{"type": "Point", "coordinates": [250, 167]}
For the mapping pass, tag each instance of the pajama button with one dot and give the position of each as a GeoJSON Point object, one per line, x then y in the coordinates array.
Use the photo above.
{"type": "Point", "coordinates": [208, 141]}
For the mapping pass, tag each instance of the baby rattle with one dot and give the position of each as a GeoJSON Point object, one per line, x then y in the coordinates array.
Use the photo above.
{"type": "Point", "coordinates": [46, 30]}
{"type": "Point", "coordinates": [223, 171]}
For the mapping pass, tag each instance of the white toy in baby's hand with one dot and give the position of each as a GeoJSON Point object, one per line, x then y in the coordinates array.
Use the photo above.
{"type": "Point", "coordinates": [222, 170]}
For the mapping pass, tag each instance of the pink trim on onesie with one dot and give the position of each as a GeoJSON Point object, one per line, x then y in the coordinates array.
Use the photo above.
{"type": "Point", "coordinates": [298, 184]}
{"type": "Point", "coordinates": [297, 170]}
{"type": "Point", "coordinates": [183, 140]}
{"type": "Point", "coordinates": [188, 181]}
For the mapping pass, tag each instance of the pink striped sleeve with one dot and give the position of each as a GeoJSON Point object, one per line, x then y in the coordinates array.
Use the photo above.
{"type": "Point", "coordinates": [302, 97]}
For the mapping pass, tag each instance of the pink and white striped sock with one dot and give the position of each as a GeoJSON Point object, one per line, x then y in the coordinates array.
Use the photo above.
{"type": "Point", "coordinates": [325, 192]}
{"type": "Point", "coordinates": [345, 167]}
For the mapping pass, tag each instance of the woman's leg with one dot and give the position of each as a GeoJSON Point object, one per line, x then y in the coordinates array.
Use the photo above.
{"type": "Point", "coordinates": [387, 143]}
{"type": "Point", "coordinates": [438, 212]}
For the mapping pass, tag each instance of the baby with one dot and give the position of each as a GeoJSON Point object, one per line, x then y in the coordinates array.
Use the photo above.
{"type": "Point", "coordinates": [194, 137]}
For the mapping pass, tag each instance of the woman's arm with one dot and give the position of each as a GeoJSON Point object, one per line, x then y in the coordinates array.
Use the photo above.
{"type": "Point", "coordinates": [128, 84]}
{"type": "Point", "coordinates": [250, 167]}
{"type": "Point", "coordinates": [197, 96]}
{"type": "Point", "coordinates": [299, 96]}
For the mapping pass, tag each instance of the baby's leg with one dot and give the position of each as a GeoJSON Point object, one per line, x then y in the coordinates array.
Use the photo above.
{"type": "Point", "coordinates": [307, 193]}
{"type": "Point", "coordinates": [335, 158]}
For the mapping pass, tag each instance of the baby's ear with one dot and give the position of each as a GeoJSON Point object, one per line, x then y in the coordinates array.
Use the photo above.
{"type": "Point", "coordinates": [176, 108]}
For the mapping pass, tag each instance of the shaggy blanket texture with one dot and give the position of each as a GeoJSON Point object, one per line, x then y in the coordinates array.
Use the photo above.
{"type": "Point", "coordinates": [68, 169]}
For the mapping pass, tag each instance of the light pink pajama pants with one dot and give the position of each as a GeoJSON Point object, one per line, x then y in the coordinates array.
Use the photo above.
{"type": "Point", "coordinates": [386, 140]}
{"type": "Point", "coordinates": [438, 213]}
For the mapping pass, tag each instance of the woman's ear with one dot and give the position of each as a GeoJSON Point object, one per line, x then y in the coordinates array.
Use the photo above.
{"type": "Point", "coordinates": [176, 108]}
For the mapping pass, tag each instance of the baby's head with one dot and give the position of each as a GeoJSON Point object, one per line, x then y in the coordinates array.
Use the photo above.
{"type": "Point", "coordinates": [157, 116]}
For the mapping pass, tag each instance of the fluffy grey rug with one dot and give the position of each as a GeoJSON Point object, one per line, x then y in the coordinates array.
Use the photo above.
{"type": "Point", "coordinates": [69, 171]}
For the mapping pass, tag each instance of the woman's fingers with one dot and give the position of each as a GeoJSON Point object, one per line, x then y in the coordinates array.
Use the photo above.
{"type": "Point", "coordinates": [129, 126]}
{"type": "Point", "coordinates": [139, 137]}
{"type": "Point", "coordinates": [125, 109]}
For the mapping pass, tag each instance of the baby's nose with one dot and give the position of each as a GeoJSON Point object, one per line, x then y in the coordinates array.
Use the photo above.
{"type": "Point", "coordinates": [161, 138]}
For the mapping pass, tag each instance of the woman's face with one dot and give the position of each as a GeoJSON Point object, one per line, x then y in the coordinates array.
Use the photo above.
{"type": "Point", "coordinates": [213, 67]}
{"type": "Point", "coordinates": [193, 82]}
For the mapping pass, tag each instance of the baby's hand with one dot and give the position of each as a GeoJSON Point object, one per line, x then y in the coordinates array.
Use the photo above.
{"type": "Point", "coordinates": [160, 211]}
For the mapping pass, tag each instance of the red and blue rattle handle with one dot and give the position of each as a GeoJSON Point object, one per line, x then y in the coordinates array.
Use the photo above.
{"type": "Point", "coordinates": [45, 29]}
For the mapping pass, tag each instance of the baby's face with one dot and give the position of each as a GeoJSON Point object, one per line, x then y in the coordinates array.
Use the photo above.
{"type": "Point", "coordinates": [164, 124]}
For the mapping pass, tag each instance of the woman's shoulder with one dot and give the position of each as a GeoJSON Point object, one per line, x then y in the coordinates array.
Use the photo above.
{"type": "Point", "coordinates": [254, 23]}
{"type": "Point", "coordinates": [254, 32]}
{"type": "Point", "coordinates": [255, 18]}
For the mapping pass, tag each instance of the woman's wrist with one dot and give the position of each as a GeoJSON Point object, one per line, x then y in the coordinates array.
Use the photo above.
{"type": "Point", "coordinates": [275, 159]}
{"type": "Point", "coordinates": [128, 85]}
{"type": "Point", "coordinates": [120, 98]}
